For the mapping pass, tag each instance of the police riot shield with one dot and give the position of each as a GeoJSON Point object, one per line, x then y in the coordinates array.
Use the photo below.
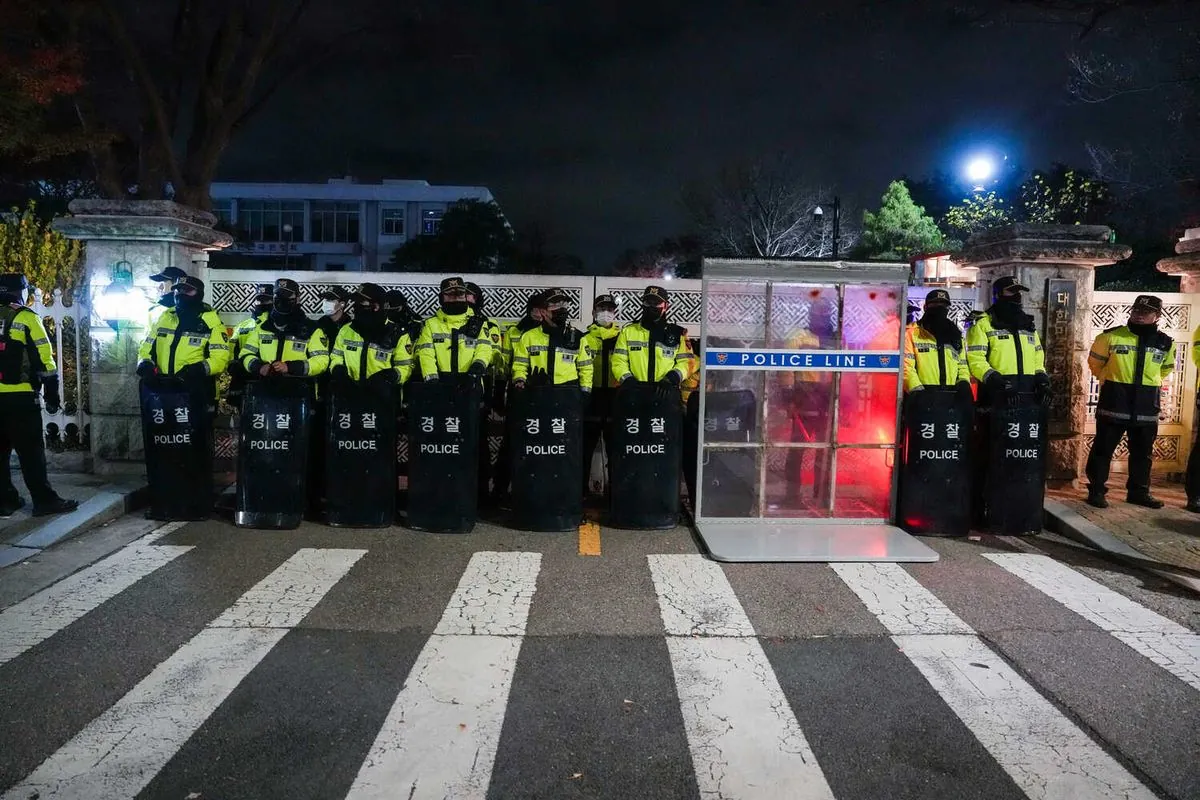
{"type": "Point", "coordinates": [730, 474]}
{"type": "Point", "coordinates": [935, 476]}
{"type": "Point", "coordinates": [646, 435]}
{"type": "Point", "coordinates": [546, 430]}
{"type": "Point", "coordinates": [177, 434]}
{"type": "Point", "coordinates": [360, 455]}
{"type": "Point", "coordinates": [273, 453]}
{"type": "Point", "coordinates": [443, 437]}
{"type": "Point", "coordinates": [1016, 472]}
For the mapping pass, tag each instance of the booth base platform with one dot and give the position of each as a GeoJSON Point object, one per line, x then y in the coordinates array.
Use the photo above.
{"type": "Point", "coordinates": [830, 542]}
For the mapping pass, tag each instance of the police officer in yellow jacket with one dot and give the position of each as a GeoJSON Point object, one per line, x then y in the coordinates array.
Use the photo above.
{"type": "Point", "coordinates": [453, 341]}
{"type": "Point", "coordinates": [369, 348]}
{"type": "Point", "coordinates": [552, 353]}
{"type": "Point", "coordinates": [933, 350]}
{"type": "Point", "coordinates": [1130, 361]}
{"type": "Point", "coordinates": [600, 341]}
{"type": "Point", "coordinates": [286, 343]}
{"type": "Point", "coordinates": [535, 311]}
{"type": "Point", "coordinates": [166, 279]}
{"type": "Point", "coordinates": [1004, 351]}
{"type": "Point", "coordinates": [652, 350]}
{"type": "Point", "coordinates": [188, 342]}
{"type": "Point", "coordinates": [26, 368]}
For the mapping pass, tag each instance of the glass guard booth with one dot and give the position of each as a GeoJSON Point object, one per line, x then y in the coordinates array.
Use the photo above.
{"type": "Point", "coordinates": [798, 413]}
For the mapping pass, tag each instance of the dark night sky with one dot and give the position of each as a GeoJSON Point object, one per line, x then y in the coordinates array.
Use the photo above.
{"type": "Point", "coordinates": [589, 120]}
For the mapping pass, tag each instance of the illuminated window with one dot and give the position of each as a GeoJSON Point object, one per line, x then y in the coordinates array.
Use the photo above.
{"type": "Point", "coordinates": [431, 220]}
{"type": "Point", "coordinates": [391, 222]}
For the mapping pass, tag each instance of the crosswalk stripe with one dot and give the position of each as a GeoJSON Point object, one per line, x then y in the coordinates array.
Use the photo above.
{"type": "Point", "coordinates": [40, 616]}
{"type": "Point", "coordinates": [744, 739]}
{"type": "Point", "coordinates": [441, 735]}
{"type": "Point", "coordinates": [1168, 644]}
{"type": "Point", "coordinates": [1047, 756]}
{"type": "Point", "coordinates": [120, 751]}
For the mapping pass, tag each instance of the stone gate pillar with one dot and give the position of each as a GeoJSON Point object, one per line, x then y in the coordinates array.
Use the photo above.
{"type": "Point", "coordinates": [1186, 264]}
{"type": "Point", "coordinates": [1057, 263]}
{"type": "Point", "coordinates": [139, 237]}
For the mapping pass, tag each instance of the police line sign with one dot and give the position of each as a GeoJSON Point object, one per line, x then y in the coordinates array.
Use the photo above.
{"type": "Point", "coordinates": [804, 360]}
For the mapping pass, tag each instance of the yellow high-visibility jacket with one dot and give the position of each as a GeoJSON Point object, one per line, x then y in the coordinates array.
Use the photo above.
{"type": "Point", "coordinates": [509, 339]}
{"type": "Point", "coordinates": [171, 347]}
{"type": "Point", "coordinates": [991, 349]}
{"type": "Point", "coordinates": [927, 363]}
{"type": "Point", "coordinates": [435, 346]}
{"type": "Point", "coordinates": [305, 350]}
{"type": "Point", "coordinates": [572, 360]}
{"type": "Point", "coordinates": [600, 342]}
{"type": "Point", "coordinates": [27, 359]}
{"type": "Point", "coordinates": [362, 360]}
{"type": "Point", "coordinates": [1131, 373]}
{"type": "Point", "coordinates": [666, 345]}
{"type": "Point", "coordinates": [802, 339]}
{"type": "Point", "coordinates": [1196, 354]}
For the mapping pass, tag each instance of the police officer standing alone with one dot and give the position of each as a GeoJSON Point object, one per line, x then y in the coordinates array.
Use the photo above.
{"type": "Point", "coordinates": [600, 340]}
{"type": "Point", "coordinates": [26, 366]}
{"type": "Point", "coordinates": [1130, 361]}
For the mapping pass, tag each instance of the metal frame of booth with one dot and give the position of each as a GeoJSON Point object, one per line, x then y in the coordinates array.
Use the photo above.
{"type": "Point", "coordinates": [814, 537]}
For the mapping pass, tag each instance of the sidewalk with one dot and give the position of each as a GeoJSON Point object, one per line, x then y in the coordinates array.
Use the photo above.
{"type": "Point", "coordinates": [1169, 535]}
{"type": "Point", "coordinates": [101, 500]}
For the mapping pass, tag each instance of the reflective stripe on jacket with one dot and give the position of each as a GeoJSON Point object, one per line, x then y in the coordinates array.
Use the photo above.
{"type": "Point", "coordinates": [1131, 370]}
{"type": "Point", "coordinates": [927, 363]}
{"type": "Point", "coordinates": [991, 349]}
{"type": "Point", "coordinates": [305, 351]}
{"type": "Point", "coordinates": [636, 344]}
{"type": "Point", "coordinates": [600, 342]}
{"type": "Point", "coordinates": [572, 360]}
{"type": "Point", "coordinates": [27, 359]}
{"type": "Point", "coordinates": [362, 359]}
{"type": "Point", "coordinates": [434, 347]}
{"type": "Point", "coordinates": [171, 347]}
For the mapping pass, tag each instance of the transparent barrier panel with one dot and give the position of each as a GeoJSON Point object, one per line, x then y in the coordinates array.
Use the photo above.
{"type": "Point", "coordinates": [867, 408]}
{"type": "Point", "coordinates": [871, 318]}
{"type": "Point", "coordinates": [800, 407]}
{"type": "Point", "coordinates": [729, 482]}
{"type": "Point", "coordinates": [864, 483]}
{"type": "Point", "coordinates": [803, 317]}
{"type": "Point", "coordinates": [797, 482]}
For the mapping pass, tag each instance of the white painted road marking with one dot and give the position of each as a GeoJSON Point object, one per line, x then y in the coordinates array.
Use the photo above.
{"type": "Point", "coordinates": [117, 754]}
{"type": "Point", "coordinates": [744, 739]}
{"type": "Point", "coordinates": [441, 736]}
{"type": "Point", "coordinates": [40, 616]}
{"type": "Point", "coordinates": [1168, 644]}
{"type": "Point", "coordinates": [1047, 756]}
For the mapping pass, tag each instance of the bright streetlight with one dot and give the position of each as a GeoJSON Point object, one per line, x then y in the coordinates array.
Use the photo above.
{"type": "Point", "coordinates": [979, 170]}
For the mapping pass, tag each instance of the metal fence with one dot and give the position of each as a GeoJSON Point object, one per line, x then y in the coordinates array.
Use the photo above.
{"type": "Point", "coordinates": [69, 429]}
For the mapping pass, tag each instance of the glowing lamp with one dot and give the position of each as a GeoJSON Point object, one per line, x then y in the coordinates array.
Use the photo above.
{"type": "Point", "coordinates": [117, 302]}
{"type": "Point", "coordinates": [979, 170]}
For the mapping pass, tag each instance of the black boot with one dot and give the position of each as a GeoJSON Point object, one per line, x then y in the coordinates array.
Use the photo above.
{"type": "Point", "coordinates": [56, 506]}
{"type": "Point", "coordinates": [1096, 500]}
{"type": "Point", "coordinates": [1193, 505]}
{"type": "Point", "coordinates": [1145, 500]}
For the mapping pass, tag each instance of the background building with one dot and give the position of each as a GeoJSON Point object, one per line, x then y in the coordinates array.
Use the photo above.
{"type": "Point", "coordinates": [340, 225]}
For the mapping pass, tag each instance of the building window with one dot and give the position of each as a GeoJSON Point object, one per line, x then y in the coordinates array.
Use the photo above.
{"type": "Point", "coordinates": [223, 211]}
{"type": "Point", "coordinates": [391, 222]}
{"type": "Point", "coordinates": [431, 220]}
{"type": "Point", "coordinates": [335, 267]}
{"type": "Point", "coordinates": [263, 220]}
{"type": "Point", "coordinates": [334, 222]}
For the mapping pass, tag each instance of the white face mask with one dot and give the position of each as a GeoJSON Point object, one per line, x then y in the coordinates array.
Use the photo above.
{"type": "Point", "coordinates": [606, 317]}
{"type": "Point", "coordinates": [328, 306]}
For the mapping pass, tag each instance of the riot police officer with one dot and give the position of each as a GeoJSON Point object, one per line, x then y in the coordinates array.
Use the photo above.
{"type": "Point", "coordinates": [600, 339]}
{"type": "Point", "coordinates": [260, 307]}
{"type": "Point", "coordinates": [187, 342]}
{"type": "Point", "coordinates": [1131, 362]}
{"type": "Point", "coordinates": [286, 343]}
{"type": "Point", "coordinates": [652, 350]}
{"type": "Point", "coordinates": [369, 347]}
{"type": "Point", "coordinates": [165, 280]}
{"type": "Point", "coordinates": [452, 341]}
{"type": "Point", "coordinates": [26, 367]}
{"type": "Point", "coordinates": [933, 350]}
{"type": "Point", "coordinates": [334, 311]}
{"type": "Point", "coordinates": [553, 353]}
{"type": "Point", "coordinates": [502, 474]}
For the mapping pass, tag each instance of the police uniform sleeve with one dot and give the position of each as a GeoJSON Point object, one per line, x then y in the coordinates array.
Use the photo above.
{"type": "Point", "coordinates": [1039, 355]}
{"type": "Point", "coordinates": [620, 357]}
{"type": "Point", "coordinates": [318, 353]}
{"type": "Point", "coordinates": [39, 340]}
{"type": "Point", "coordinates": [146, 349]}
{"type": "Point", "coordinates": [960, 361]}
{"type": "Point", "coordinates": [520, 359]}
{"type": "Point", "coordinates": [425, 354]}
{"type": "Point", "coordinates": [1098, 356]}
{"type": "Point", "coordinates": [402, 358]}
{"type": "Point", "coordinates": [585, 364]}
{"type": "Point", "coordinates": [219, 354]}
{"type": "Point", "coordinates": [250, 353]}
{"type": "Point", "coordinates": [337, 353]}
{"type": "Point", "coordinates": [912, 381]}
{"type": "Point", "coordinates": [977, 347]}
{"type": "Point", "coordinates": [1168, 365]}
{"type": "Point", "coordinates": [685, 359]}
{"type": "Point", "coordinates": [484, 349]}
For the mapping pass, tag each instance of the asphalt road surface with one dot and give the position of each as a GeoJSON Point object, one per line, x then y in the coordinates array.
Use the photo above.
{"type": "Point", "coordinates": [204, 662]}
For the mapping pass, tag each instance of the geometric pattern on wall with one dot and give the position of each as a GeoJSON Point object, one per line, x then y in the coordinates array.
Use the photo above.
{"type": "Point", "coordinates": [1175, 317]}
{"type": "Point", "coordinates": [685, 307]}
{"type": "Point", "coordinates": [1172, 399]}
{"type": "Point", "coordinates": [1166, 448]}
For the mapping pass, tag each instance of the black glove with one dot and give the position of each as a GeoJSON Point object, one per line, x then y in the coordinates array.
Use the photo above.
{"type": "Point", "coordinates": [50, 395]}
{"type": "Point", "coordinates": [963, 389]}
{"type": "Point", "coordinates": [339, 373]}
{"type": "Point", "coordinates": [1043, 389]}
{"type": "Point", "coordinates": [630, 381]}
{"type": "Point", "coordinates": [382, 378]}
{"type": "Point", "coordinates": [191, 371]}
{"type": "Point", "coordinates": [146, 369]}
{"type": "Point", "coordinates": [297, 368]}
{"type": "Point", "coordinates": [671, 378]}
{"type": "Point", "coordinates": [476, 370]}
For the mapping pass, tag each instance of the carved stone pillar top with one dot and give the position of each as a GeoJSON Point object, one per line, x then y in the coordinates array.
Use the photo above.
{"type": "Point", "coordinates": [1022, 243]}
{"type": "Point", "coordinates": [1187, 263]}
{"type": "Point", "coordinates": [142, 220]}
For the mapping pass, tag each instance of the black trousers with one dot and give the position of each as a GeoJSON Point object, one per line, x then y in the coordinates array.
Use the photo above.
{"type": "Point", "coordinates": [1141, 449]}
{"type": "Point", "coordinates": [21, 430]}
{"type": "Point", "coordinates": [1192, 481]}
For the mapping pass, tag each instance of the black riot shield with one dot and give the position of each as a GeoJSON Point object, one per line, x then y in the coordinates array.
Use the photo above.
{"type": "Point", "coordinates": [935, 477]}
{"type": "Point", "coordinates": [360, 455]}
{"type": "Point", "coordinates": [273, 453]}
{"type": "Point", "coordinates": [645, 430]}
{"type": "Point", "coordinates": [1016, 472]}
{"type": "Point", "coordinates": [546, 430]}
{"type": "Point", "coordinates": [729, 475]}
{"type": "Point", "coordinates": [177, 434]}
{"type": "Point", "coordinates": [443, 434]}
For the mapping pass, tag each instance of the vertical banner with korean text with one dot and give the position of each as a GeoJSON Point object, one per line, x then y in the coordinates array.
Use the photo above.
{"type": "Point", "coordinates": [360, 456]}
{"type": "Point", "coordinates": [178, 439]}
{"type": "Point", "coordinates": [1016, 478]}
{"type": "Point", "coordinates": [1060, 352]}
{"type": "Point", "coordinates": [935, 478]}
{"type": "Point", "coordinates": [646, 435]}
{"type": "Point", "coordinates": [546, 430]}
{"type": "Point", "coordinates": [443, 434]}
{"type": "Point", "coordinates": [273, 453]}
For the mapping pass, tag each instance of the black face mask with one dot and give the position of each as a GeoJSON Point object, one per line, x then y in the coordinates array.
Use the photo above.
{"type": "Point", "coordinates": [454, 307]}
{"type": "Point", "coordinates": [286, 306]}
{"type": "Point", "coordinates": [559, 317]}
{"type": "Point", "coordinates": [652, 315]}
{"type": "Point", "coordinates": [188, 305]}
{"type": "Point", "coordinates": [368, 320]}
{"type": "Point", "coordinates": [1144, 330]}
{"type": "Point", "coordinates": [167, 300]}
{"type": "Point", "coordinates": [937, 321]}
